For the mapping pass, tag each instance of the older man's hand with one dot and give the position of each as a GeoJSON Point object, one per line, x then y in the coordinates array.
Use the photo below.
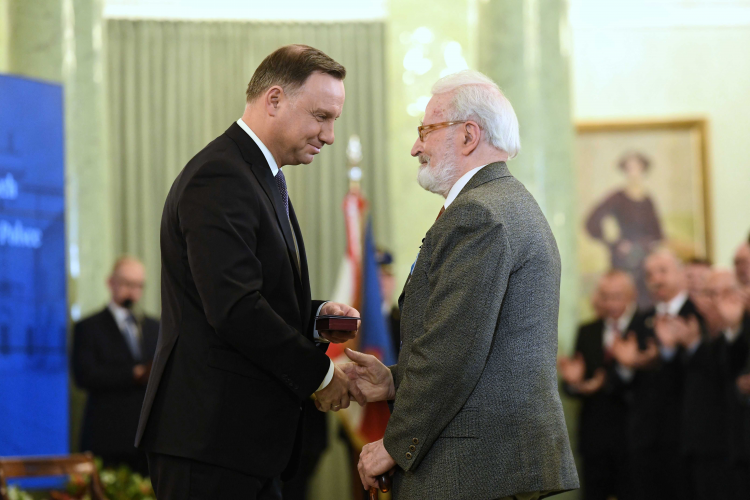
{"type": "Point", "coordinates": [374, 461]}
{"type": "Point", "coordinates": [370, 379]}
{"type": "Point", "coordinates": [338, 309]}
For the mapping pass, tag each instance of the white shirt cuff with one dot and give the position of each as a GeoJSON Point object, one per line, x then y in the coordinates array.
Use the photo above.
{"type": "Point", "coordinates": [317, 336]}
{"type": "Point", "coordinates": [667, 353]}
{"type": "Point", "coordinates": [693, 347]}
{"type": "Point", "coordinates": [625, 373]}
{"type": "Point", "coordinates": [327, 380]}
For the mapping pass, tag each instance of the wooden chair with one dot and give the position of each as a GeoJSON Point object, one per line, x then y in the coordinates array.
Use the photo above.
{"type": "Point", "coordinates": [83, 463]}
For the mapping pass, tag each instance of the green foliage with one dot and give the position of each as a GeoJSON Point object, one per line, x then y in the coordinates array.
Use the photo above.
{"type": "Point", "coordinates": [14, 493]}
{"type": "Point", "coordinates": [118, 484]}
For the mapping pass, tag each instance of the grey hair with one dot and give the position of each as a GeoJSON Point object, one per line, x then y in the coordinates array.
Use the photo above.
{"type": "Point", "coordinates": [476, 97]}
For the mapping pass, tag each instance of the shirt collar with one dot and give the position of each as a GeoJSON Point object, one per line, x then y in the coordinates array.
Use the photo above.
{"type": "Point", "coordinates": [263, 148]}
{"type": "Point", "coordinates": [120, 313]}
{"type": "Point", "coordinates": [623, 321]}
{"type": "Point", "coordinates": [460, 184]}
{"type": "Point", "coordinates": [673, 307]}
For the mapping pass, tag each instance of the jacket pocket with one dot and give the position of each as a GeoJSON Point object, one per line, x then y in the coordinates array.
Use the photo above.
{"type": "Point", "coordinates": [234, 362]}
{"type": "Point", "coordinates": [464, 425]}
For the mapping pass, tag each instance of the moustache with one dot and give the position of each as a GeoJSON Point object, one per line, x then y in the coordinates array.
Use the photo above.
{"type": "Point", "coordinates": [423, 159]}
{"type": "Point", "coordinates": [128, 303]}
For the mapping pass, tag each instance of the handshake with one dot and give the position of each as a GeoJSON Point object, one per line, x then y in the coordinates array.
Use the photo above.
{"type": "Point", "coordinates": [365, 380]}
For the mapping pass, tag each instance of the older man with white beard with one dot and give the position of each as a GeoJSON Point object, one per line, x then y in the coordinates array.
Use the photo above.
{"type": "Point", "coordinates": [476, 411]}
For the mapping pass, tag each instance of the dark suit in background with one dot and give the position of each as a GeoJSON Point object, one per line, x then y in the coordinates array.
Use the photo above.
{"type": "Point", "coordinates": [655, 423]}
{"type": "Point", "coordinates": [602, 423]}
{"type": "Point", "coordinates": [704, 422]}
{"type": "Point", "coordinates": [236, 356]}
{"type": "Point", "coordinates": [736, 362]}
{"type": "Point", "coordinates": [102, 364]}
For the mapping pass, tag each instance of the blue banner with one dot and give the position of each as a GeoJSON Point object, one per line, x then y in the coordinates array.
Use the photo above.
{"type": "Point", "coordinates": [33, 304]}
{"type": "Point", "coordinates": [374, 337]}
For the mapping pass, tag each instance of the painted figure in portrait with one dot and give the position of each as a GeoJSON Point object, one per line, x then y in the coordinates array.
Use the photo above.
{"type": "Point", "coordinates": [627, 222]}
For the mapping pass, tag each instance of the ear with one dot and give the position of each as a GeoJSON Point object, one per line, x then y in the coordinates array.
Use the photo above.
{"type": "Point", "coordinates": [471, 137]}
{"type": "Point", "coordinates": [272, 100]}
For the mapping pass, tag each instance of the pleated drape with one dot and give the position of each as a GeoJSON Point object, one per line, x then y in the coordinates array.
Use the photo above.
{"type": "Point", "coordinates": [172, 87]}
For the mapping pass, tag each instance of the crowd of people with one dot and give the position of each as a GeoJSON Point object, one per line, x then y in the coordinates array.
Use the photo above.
{"type": "Point", "coordinates": [665, 392]}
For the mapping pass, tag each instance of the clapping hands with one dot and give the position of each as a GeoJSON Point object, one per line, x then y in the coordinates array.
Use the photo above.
{"type": "Point", "coordinates": [628, 354]}
{"type": "Point", "coordinates": [674, 330]}
{"type": "Point", "coordinates": [573, 372]}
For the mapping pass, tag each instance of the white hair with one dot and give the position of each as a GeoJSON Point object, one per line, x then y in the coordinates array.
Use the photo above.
{"type": "Point", "coordinates": [478, 98]}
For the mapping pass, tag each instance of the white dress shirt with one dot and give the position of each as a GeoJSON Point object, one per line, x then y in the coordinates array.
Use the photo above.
{"type": "Point", "coordinates": [275, 170]}
{"type": "Point", "coordinates": [460, 184]}
{"type": "Point", "coordinates": [614, 328]}
{"type": "Point", "coordinates": [129, 330]}
{"type": "Point", "coordinates": [672, 308]}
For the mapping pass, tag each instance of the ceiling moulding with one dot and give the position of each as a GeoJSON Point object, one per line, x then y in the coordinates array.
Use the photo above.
{"type": "Point", "coordinates": [246, 10]}
{"type": "Point", "coordinates": [586, 15]}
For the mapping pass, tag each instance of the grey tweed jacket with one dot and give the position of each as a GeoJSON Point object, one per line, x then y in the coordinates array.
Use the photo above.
{"type": "Point", "coordinates": [477, 414]}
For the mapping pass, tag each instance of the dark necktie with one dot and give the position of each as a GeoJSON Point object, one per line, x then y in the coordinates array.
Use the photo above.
{"type": "Point", "coordinates": [131, 325]}
{"type": "Point", "coordinates": [281, 184]}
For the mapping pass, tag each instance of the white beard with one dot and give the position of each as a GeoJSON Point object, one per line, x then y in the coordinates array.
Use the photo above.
{"type": "Point", "coordinates": [439, 177]}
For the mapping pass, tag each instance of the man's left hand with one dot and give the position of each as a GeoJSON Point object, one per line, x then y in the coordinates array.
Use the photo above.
{"type": "Point", "coordinates": [338, 309]}
{"type": "Point", "coordinates": [374, 461]}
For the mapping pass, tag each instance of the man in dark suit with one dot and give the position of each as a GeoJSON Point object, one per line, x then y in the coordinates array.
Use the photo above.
{"type": "Point", "coordinates": [727, 298]}
{"type": "Point", "coordinates": [595, 376]}
{"type": "Point", "coordinates": [658, 424]}
{"type": "Point", "coordinates": [238, 352]}
{"type": "Point", "coordinates": [111, 359]}
{"type": "Point", "coordinates": [742, 269]}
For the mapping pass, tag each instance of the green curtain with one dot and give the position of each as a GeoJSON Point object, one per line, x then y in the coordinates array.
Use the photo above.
{"type": "Point", "coordinates": [174, 86]}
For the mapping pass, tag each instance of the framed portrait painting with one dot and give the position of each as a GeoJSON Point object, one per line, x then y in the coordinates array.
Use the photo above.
{"type": "Point", "coordinates": [641, 185]}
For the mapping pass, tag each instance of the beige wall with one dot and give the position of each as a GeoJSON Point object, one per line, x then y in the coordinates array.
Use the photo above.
{"type": "Point", "coordinates": [675, 62]}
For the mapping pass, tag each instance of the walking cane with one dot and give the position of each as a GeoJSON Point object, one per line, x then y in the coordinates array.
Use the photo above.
{"type": "Point", "coordinates": [384, 482]}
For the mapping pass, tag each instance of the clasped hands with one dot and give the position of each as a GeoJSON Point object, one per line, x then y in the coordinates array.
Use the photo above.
{"type": "Point", "coordinates": [365, 380]}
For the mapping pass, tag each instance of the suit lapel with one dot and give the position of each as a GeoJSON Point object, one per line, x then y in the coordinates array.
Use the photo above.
{"type": "Point", "coordinates": [262, 172]}
{"type": "Point", "coordinates": [305, 283]}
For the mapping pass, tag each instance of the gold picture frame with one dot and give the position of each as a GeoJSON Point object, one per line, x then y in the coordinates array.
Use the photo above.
{"type": "Point", "coordinates": [641, 184]}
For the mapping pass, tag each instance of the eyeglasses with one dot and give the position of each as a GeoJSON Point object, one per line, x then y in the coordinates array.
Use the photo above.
{"type": "Point", "coordinates": [426, 129]}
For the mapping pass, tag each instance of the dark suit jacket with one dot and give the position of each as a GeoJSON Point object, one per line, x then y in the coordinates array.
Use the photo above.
{"type": "Point", "coordinates": [102, 364]}
{"type": "Point", "coordinates": [236, 355]}
{"type": "Point", "coordinates": [602, 423]}
{"type": "Point", "coordinates": [704, 404]}
{"type": "Point", "coordinates": [657, 392]}
{"type": "Point", "coordinates": [736, 362]}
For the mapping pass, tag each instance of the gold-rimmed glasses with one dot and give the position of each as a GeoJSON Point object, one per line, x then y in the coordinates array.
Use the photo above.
{"type": "Point", "coordinates": [426, 129]}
